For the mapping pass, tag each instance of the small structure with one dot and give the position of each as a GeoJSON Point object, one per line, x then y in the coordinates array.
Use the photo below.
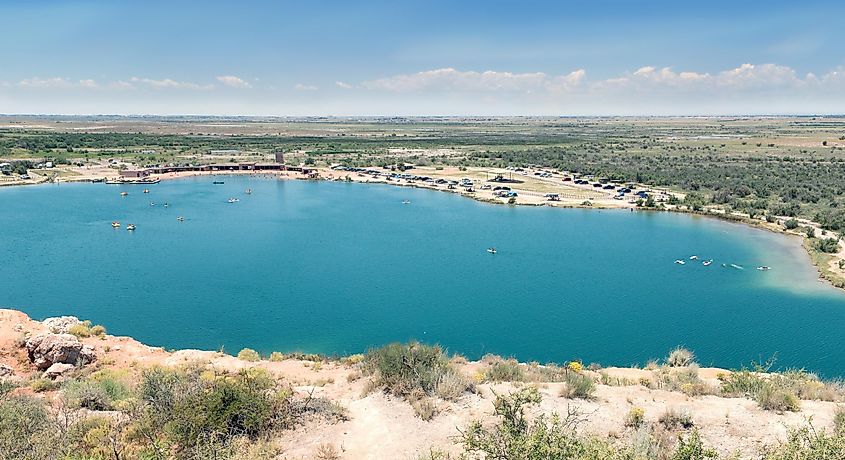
{"type": "Point", "coordinates": [135, 173]}
{"type": "Point", "coordinates": [553, 196]}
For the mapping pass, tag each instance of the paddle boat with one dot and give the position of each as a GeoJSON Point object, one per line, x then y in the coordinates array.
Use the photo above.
{"type": "Point", "coordinates": [693, 257]}
{"type": "Point", "coordinates": [218, 182]}
{"type": "Point", "coordinates": [248, 191]}
{"type": "Point", "coordinates": [233, 200]}
{"type": "Point", "coordinates": [130, 227]}
{"type": "Point", "coordinates": [124, 193]}
{"type": "Point", "coordinates": [707, 263]}
{"type": "Point", "coordinates": [146, 190]}
{"type": "Point", "coordinates": [406, 201]}
{"type": "Point", "coordinates": [680, 262]}
{"type": "Point", "coordinates": [115, 224]}
{"type": "Point", "coordinates": [738, 267]}
{"type": "Point", "coordinates": [764, 268]}
{"type": "Point", "coordinates": [492, 250]}
{"type": "Point", "coordinates": [180, 219]}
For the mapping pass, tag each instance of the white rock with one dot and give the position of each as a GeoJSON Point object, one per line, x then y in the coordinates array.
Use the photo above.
{"type": "Point", "coordinates": [61, 324]}
{"type": "Point", "coordinates": [58, 370]}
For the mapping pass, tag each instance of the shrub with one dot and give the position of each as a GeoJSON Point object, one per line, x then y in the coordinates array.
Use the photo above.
{"type": "Point", "coordinates": [98, 331]}
{"type": "Point", "coordinates": [81, 330]}
{"type": "Point", "coordinates": [839, 419]}
{"type": "Point", "coordinates": [326, 451]}
{"type": "Point", "coordinates": [424, 408]}
{"type": "Point", "coordinates": [776, 398]}
{"type": "Point", "coordinates": [791, 224]}
{"type": "Point", "coordinates": [692, 448]}
{"type": "Point", "coordinates": [248, 354]}
{"type": "Point", "coordinates": [680, 357]}
{"type": "Point", "coordinates": [635, 417]}
{"type": "Point", "coordinates": [504, 370]}
{"type": "Point", "coordinates": [41, 385]}
{"type": "Point", "coordinates": [452, 385]}
{"type": "Point", "coordinates": [578, 386]}
{"type": "Point", "coordinates": [672, 419]}
{"type": "Point", "coordinates": [403, 368]}
{"type": "Point", "coordinates": [276, 357]}
{"type": "Point", "coordinates": [808, 443]}
{"type": "Point", "coordinates": [25, 429]}
{"type": "Point", "coordinates": [87, 394]}
{"type": "Point", "coordinates": [827, 245]}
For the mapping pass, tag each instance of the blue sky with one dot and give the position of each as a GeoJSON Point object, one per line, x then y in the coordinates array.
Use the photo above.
{"type": "Point", "coordinates": [432, 57]}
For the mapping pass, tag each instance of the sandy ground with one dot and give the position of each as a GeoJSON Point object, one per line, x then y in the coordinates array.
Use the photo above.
{"type": "Point", "coordinates": [381, 426]}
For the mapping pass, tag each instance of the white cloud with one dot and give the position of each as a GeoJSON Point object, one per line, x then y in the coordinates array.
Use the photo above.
{"type": "Point", "coordinates": [88, 83]}
{"type": "Point", "coordinates": [36, 82]}
{"type": "Point", "coordinates": [167, 83]}
{"type": "Point", "coordinates": [455, 80]}
{"type": "Point", "coordinates": [233, 81]}
{"type": "Point", "coordinates": [301, 87]}
{"type": "Point", "coordinates": [343, 85]}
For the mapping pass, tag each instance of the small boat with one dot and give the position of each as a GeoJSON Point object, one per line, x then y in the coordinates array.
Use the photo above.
{"type": "Point", "coordinates": [233, 200]}
{"type": "Point", "coordinates": [492, 250]}
{"type": "Point", "coordinates": [693, 257]}
{"type": "Point", "coordinates": [707, 263]}
{"type": "Point", "coordinates": [115, 224]}
{"type": "Point", "coordinates": [166, 205]}
{"type": "Point", "coordinates": [764, 268]}
{"type": "Point", "coordinates": [146, 190]}
{"type": "Point", "coordinates": [130, 227]}
{"type": "Point", "coordinates": [218, 182]}
{"type": "Point", "coordinates": [152, 203]}
{"type": "Point", "coordinates": [406, 201]}
{"type": "Point", "coordinates": [124, 193]}
{"type": "Point", "coordinates": [180, 219]}
{"type": "Point", "coordinates": [738, 267]}
{"type": "Point", "coordinates": [680, 262]}
{"type": "Point", "coordinates": [248, 191]}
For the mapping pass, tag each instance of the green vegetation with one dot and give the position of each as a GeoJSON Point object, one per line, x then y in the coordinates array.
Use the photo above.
{"type": "Point", "coordinates": [85, 329]}
{"type": "Point", "coordinates": [169, 414]}
{"type": "Point", "coordinates": [680, 357]}
{"type": "Point", "coordinates": [248, 354]}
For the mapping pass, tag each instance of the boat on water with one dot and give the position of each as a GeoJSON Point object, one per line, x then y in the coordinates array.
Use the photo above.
{"type": "Point", "coordinates": [218, 182]}
{"type": "Point", "coordinates": [130, 227]}
{"type": "Point", "coordinates": [764, 268]}
{"type": "Point", "coordinates": [233, 200]}
{"type": "Point", "coordinates": [124, 193]}
{"type": "Point", "coordinates": [132, 181]}
{"type": "Point", "coordinates": [707, 263]}
{"type": "Point", "coordinates": [146, 190]}
{"type": "Point", "coordinates": [693, 257]}
{"type": "Point", "coordinates": [115, 224]}
{"type": "Point", "coordinates": [152, 203]}
{"type": "Point", "coordinates": [492, 250]}
{"type": "Point", "coordinates": [738, 267]}
{"type": "Point", "coordinates": [180, 219]}
{"type": "Point", "coordinates": [406, 201]}
{"type": "Point", "coordinates": [248, 191]}
{"type": "Point", "coordinates": [680, 262]}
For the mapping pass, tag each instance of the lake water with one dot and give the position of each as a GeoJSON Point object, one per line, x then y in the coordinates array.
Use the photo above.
{"type": "Point", "coordinates": [337, 268]}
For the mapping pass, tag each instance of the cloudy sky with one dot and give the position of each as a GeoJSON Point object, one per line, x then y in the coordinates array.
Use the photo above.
{"type": "Point", "coordinates": [431, 57]}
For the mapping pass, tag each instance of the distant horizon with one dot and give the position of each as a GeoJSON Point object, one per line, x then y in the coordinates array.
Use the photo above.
{"type": "Point", "coordinates": [201, 115]}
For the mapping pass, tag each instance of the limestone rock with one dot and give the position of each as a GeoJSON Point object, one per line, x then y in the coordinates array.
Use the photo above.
{"type": "Point", "coordinates": [58, 370]}
{"type": "Point", "coordinates": [47, 349]}
{"type": "Point", "coordinates": [61, 324]}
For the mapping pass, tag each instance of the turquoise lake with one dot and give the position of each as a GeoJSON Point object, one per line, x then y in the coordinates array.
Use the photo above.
{"type": "Point", "coordinates": [336, 268]}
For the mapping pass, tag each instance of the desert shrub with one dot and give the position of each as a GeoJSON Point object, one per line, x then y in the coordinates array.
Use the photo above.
{"type": "Point", "coordinates": [452, 384]}
{"type": "Point", "coordinates": [326, 451]}
{"type": "Point", "coordinates": [514, 437]}
{"type": "Point", "coordinates": [635, 417]}
{"type": "Point", "coordinates": [81, 330]}
{"type": "Point", "coordinates": [827, 245]}
{"type": "Point", "coordinates": [680, 357]}
{"type": "Point", "coordinates": [424, 408]}
{"type": "Point", "coordinates": [98, 331]}
{"type": "Point", "coordinates": [403, 368]}
{"type": "Point", "coordinates": [672, 419]}
{"type": "Point", "coordinates": [691, 448]}
{"type": "Point", "coordinates": [276, 357]}
{"type": "Point", "coordinates": [685, 380]}
{"type": "Point", "coordinates": [776, 398]}
{"type": "Point", "coordinates": [42, 385]}
{"type": "Point", "coordinates": [839, 419]}
{"type": "Point", "coordinates": [26, 431]}
{"type": "Point", "coordinates": [504, 370]}
{"type": "Point", "coordinates": [807, 443]}
{"type": "Point", "coordinates": [248, 354]}
{"type": "Point", "coordinates": [87, 394]}
{"type": "Point", "coordinates": [578, 385]}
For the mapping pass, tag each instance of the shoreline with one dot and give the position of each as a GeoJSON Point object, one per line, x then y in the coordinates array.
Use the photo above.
{"type": "Point", "coordinates": [825, 264]}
